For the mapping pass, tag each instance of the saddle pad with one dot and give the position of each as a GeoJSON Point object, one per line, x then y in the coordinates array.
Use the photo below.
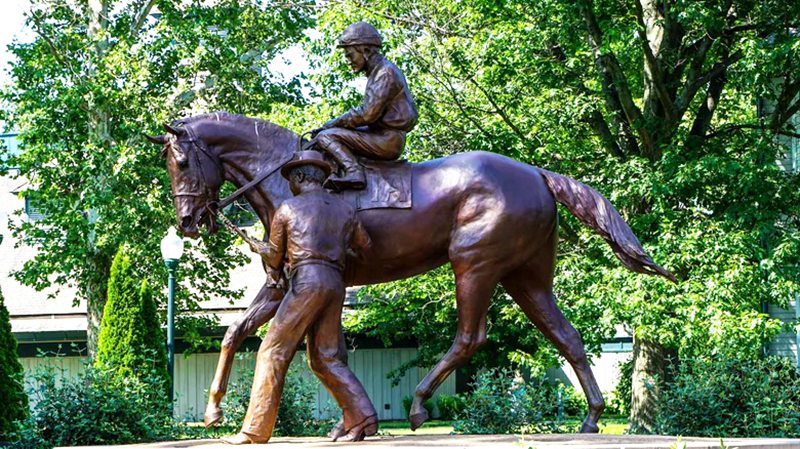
{"type": "Point", "coordinates": [388, 186]}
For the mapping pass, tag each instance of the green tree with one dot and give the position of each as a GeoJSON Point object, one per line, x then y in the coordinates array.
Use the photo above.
{"type": "Point", "coordinates": [131, 343]}
{"type": "Point", "coordinates": [98, 75]}
{"type": "Point", "coordinates": [676, 111]}
{"type": "Point", "coordinates": [15, 402]}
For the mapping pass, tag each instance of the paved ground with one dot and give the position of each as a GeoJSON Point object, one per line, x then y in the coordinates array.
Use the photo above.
{"type": "Point", "coordinates": [491, 442]}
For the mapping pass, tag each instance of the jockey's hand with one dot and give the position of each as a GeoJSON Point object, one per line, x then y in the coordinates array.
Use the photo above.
{"type": "Point", "coordinates": [327, 125]}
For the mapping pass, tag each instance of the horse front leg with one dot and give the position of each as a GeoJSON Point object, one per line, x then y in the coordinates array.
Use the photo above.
{"type": "Point", "coordinates": [261, 310]}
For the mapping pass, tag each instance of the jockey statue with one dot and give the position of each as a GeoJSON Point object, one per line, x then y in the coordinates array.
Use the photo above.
{"type": "Point", "coordinates": [377, 128]}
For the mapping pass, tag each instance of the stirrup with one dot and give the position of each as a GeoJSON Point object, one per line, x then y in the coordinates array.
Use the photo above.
{"type": "Point", "coordinates": [354, 180]}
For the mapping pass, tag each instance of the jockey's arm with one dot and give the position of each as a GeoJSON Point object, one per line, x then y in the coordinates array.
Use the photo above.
{"type": "Point", "coordinates": [379, 91]}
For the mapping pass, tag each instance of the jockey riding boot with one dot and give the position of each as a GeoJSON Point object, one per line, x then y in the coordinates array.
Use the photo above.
{"type": "Point", "coordinates": [353, 177]}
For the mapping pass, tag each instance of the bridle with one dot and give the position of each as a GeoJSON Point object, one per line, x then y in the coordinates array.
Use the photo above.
{"type": "Point", "coordinates": [213, 205]}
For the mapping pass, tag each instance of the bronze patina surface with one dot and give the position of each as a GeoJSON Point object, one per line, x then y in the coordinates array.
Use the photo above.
{"type": "Point", "coordinates": [492, 218]}
{"type": "Point", "coordinates": [309, 237]}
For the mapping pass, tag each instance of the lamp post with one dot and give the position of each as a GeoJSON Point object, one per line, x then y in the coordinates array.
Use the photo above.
{"type": "Point", "coordinates": [171, 251]}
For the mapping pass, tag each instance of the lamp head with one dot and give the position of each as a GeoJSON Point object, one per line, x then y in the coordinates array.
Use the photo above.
{"type": "Point", "coordinates": [171, 246]}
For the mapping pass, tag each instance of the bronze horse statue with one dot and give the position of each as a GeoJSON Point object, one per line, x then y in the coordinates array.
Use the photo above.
{"type": "Point", "coordinates": [492, 218]}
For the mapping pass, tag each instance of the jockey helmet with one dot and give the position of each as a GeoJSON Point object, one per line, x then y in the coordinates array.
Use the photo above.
{"type": "Point", "coordinates": [360, 33]}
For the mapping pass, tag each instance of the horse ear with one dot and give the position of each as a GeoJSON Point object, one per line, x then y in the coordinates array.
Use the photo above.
{"type": "Point", "coordinates": [159, 140]}
{"type": "Point", "coordinates": [172, 130]}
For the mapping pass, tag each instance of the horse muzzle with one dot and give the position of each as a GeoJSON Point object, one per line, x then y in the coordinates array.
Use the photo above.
{"type": "Point", "coordinates": [188, 226]}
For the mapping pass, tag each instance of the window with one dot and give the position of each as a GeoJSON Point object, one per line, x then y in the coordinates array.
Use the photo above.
{"type": "Point", "coordinates": [9, 146]}
{"type": "Point", "coordinates": [32, 211]}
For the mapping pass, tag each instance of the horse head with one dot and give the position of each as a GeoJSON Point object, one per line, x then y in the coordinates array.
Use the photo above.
{"type": "Point", "coordinates": [195, 176]}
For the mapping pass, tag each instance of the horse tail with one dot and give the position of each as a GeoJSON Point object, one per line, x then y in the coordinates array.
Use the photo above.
{"type": "Point", "coordinates": [596, 212]}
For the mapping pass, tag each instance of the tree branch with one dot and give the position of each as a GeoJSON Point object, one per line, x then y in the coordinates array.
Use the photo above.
{"type": "Point", "coordinates": [595, 118]}
{"type": "Point", "coordinates": [685, 96]}
{"type": "Point", "coordinates": [706, 110]}
{"type": "Point", "coordinates": [141, 16]}
{"type": "Point", "coordinates": [656, 77]}
{"type": "Point", "coordinates": [615, 83]}
{"type": "Point", "coordinates": [39, 29]}
{"type": "Point", "coordinates": [784, 109]}
{"type": "Point", "coordinates": [506, 119]}
{"type": "Point", "coordinates": [757, 26]}
{"type": "Point", "coordinates": [731, 128]}
{"type": "Point", "coordinates": [416, 22]}
{"type": "Point", "coordinates": [720, 68]}
{"type": "Point", "coordinates": [600, 126]}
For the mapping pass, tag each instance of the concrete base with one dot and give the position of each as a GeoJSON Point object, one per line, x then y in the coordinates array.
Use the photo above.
{"type": "Point", "coordinates": [565, 441]}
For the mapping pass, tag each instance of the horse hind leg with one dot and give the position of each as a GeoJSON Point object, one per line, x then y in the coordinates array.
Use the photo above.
{"type": "Point", "coordinates": [261, 310]}
{"type": "Point", "coordinates": [539, 305]}
{"type": "Point", "coordinates": [473, 293]}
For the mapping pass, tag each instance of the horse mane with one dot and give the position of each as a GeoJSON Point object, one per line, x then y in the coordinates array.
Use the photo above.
{"type": "Point", "coordinates": [266, 126]}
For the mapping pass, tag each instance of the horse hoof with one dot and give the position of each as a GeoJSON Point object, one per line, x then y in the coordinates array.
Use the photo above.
{"type": "Point", "coordinates": [589, 428]}
{"type": "Point", "coordinates": [417, 419]}
{"type": "Point", "coordinates": [212, 416]}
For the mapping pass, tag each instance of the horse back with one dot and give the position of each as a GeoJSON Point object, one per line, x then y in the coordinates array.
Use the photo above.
{"type": "Point", "coordinates": [477, 192]}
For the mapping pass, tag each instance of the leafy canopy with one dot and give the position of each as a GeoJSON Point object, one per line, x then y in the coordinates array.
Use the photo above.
{"type": "Point", "coordinates": [97, 76]}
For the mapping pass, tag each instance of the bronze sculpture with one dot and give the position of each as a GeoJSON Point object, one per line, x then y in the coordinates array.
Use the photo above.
{"type": "Point", "coordinates": [377, 128]}
{"type": "Point", "coordinates": [493, 218]}
{"type": "Point", "coordinates": [311, 233]}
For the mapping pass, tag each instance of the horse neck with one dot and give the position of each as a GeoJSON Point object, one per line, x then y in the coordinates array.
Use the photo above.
{"type": "Point", "coordinates": [245, 147]}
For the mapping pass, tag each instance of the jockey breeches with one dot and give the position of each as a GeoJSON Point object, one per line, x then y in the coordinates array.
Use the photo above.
{"type": "Point", "coordinates": [382, 144]}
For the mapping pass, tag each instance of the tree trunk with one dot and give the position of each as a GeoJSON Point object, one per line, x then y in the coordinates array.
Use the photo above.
{"type": "Point", "coordinates": [94, 292]}
{"type": "Point", "coordinates": [649, 370]}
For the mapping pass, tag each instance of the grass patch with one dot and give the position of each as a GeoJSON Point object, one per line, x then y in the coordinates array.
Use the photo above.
{"type": "Point", "coordinates": [398, 428]}
{"type": "Point", "coordinates": [608, 426]}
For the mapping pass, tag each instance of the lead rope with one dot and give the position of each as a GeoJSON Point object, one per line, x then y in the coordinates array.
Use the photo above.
{"type": "Point", "coordinates": [255, 244]}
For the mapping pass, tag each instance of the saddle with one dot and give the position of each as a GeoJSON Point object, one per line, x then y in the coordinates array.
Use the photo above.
{"type": "Point", "coordinates": [388, 182]}
{"type": "Point", "coordinates": [388, 186]}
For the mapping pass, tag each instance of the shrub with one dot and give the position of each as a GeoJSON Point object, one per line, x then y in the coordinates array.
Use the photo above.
{"type": "Point", "coordinates": [27, 436]}
{"type": "Point", "coordinates": [296, 412]}
{"type": "Point", "coordinates": [131, 342]}
{"type": "Point", "coordinates": [500, 404]}
{"type": "Point", "coordinates": [15, 402]}
{"type": "Point", "coordinates": [620, 400]}
{"type": "Point", "coordinates": [573, 401]}
{"type": "Point", "coordinates": [427, 405]}
{"type": "Point", "coordinates": [449, 406]}
{"type": "Point", "coordinates": [99, 407]}
{"type": "Point", "coordinates": [732, 397]}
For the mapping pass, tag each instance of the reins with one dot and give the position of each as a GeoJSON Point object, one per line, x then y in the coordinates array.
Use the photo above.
{"type": "Point", "coordinates": [215, 207]}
